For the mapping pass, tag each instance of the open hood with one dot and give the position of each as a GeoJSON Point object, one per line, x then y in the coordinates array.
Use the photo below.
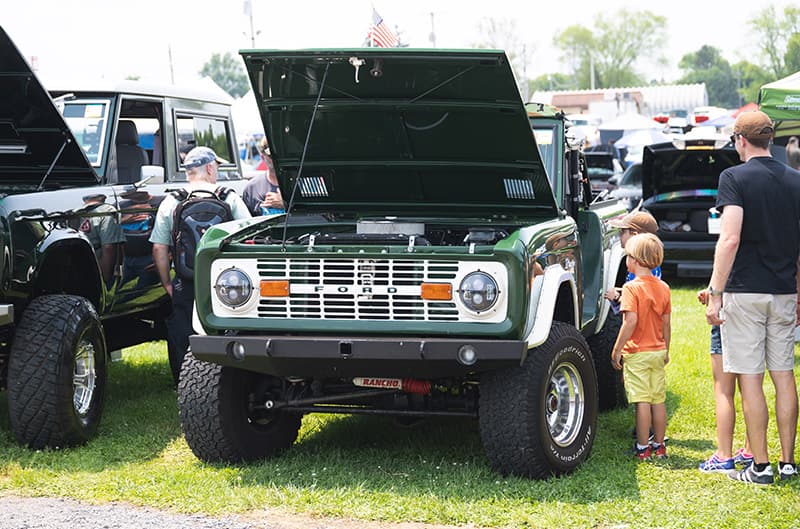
{"type": "Point", "coordinates": [671, 173]}
{"type": "Point", "coordinates": [35, 142]}
{"type": "Point", "coordinates": [399, 130]}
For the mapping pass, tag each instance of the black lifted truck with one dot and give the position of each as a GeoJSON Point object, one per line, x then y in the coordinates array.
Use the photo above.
{"type": "Point", "coordinates": [76, 275]}
{"type": "Point", "coordinates": [435, 264]}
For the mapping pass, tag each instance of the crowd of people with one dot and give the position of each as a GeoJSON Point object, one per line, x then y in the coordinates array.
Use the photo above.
{"type": "Point", "coordinates": [751, 304]}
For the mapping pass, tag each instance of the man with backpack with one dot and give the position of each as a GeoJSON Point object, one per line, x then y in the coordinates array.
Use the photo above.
{"type": "Point", "coordinates": [182, 218]}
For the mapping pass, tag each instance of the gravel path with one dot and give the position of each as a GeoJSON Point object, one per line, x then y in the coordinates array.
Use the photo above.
{"type": "Point", "coordinates": [59, 513]}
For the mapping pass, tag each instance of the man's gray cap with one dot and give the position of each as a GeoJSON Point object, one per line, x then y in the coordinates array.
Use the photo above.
{"type": "Point", "coordinates": [200, 156]}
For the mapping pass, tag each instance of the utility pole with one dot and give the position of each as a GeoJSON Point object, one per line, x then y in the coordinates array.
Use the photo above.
{"type": "Point", "coordinates": [171, 69]}
{"type": "Point", "coordinates": [433, 33]}
{"type": "Point", "coordinates": [248, 10]}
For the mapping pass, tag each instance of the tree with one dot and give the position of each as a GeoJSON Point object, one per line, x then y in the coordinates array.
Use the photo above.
{"type": "Point", "coordinates": [610, 53]}
{"type": "Point", "coordinates": [228, 72]}
{"type": "Point", "coordinates": [552, 81]}
{"type": "Point", "coordinates": [750, 78]}
{"type": "Point", "coordinates": [707, 65]}
{"type": "Point", "coordinates": [502, 34]}
{"type": "Point", "coordinates": [774, 35]}
{"type": "Point", "coordinates": [574, 43]}
{"type": "Point", "coordinates": [792, 57]}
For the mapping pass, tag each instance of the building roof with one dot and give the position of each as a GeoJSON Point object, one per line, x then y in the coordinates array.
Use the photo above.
{"type": "Point", "coordinates": [654, 99]}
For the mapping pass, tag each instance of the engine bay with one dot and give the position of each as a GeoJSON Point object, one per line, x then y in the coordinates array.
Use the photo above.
{"type": "Point", "coordinates": [383, 232]}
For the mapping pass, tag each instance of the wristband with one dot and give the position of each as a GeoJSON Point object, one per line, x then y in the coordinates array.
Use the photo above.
{"type": "Point", "coordinates": [714, 292]}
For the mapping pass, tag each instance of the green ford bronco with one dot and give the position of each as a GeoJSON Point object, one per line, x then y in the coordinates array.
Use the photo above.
{"type": "Point", "coordinates": [434, 263]}
{"type": "Point", "coordinates": [81, 178]}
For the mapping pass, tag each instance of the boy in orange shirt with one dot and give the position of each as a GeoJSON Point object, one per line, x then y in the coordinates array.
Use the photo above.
{"type": "Point", "coordinates": [643, 342]}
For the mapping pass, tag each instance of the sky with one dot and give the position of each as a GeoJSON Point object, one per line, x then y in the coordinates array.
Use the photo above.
{"type": "Point", "coordinates": [70, 40]}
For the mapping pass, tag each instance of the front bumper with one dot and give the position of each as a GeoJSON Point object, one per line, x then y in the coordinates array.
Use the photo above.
{"type": "Point", "coordinates": [335, 357]}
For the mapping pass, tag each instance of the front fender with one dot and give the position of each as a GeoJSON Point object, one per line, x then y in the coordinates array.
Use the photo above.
{"type": "Point", "coordinates": [544, 297]}
{"type": "Point", "coordinates": [614, 258]}
{"type": "Point", "coordinates": [67, 263]}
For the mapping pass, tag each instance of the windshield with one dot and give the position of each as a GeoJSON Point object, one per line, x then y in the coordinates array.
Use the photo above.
{"type": "Point", "coordinates": [88, 121]}
{"type": "Point", "coordinates": [632, 176]}
{"type": "Point", "coordinates": [545, 141]}
{"type": "Point", "coordinates": [599, 165]}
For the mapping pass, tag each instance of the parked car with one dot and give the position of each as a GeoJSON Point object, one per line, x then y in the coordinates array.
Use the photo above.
{"type": "Point", "coordinates": [584, 127]}
{"type": "Point", "coordinates": [449, 272]}
{"type": "Point", "coordinates": [604, 170]}
{"type": "Point", "coordinates": [705, 113]}
{"type": "Point", "coordinates": [679, 186]}
{"type": "Point", "coordinates": [629, 187]}
{"type": "Point", "coordinates": [68, 298]}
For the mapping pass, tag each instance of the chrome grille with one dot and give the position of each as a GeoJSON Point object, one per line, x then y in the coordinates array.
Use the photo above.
{"type": "Point", "coordinates": [357, 289]}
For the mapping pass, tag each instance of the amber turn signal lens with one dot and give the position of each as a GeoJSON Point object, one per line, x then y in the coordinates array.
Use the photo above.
{"type": "Point", "coordinates": [275, 289]}
{"type": "Point", "coordinates": [442, 291]}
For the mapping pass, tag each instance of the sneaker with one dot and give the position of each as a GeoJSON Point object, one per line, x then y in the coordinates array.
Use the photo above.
{"type": "Point", "coordinates": [717, 464]}
{"type": "Point", "coordinates": [742, 458]}
{"type": "Point", "coordinates": [750, 475]}
{"type": "Point", "coordinates": [643, 453]}
{"type": "Point", "coordinates": [660, 452]}
{"type": "Point", "coordinates": [650, 438]}
{"type": "Point", "coordinates": [787, 471]}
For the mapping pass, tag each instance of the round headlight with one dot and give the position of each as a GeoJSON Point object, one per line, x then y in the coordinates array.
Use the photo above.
{"type": "Point", "coordinates": [478, 291]}
{"type": "Point", "coordinates": [233, 287]}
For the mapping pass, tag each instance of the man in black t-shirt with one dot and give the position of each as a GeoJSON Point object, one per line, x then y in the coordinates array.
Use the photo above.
{"type": "Point", "coordinates": [755, 264]}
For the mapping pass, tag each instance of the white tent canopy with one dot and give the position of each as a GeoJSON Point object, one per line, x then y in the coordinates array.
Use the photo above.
{"type": "Point", "coordinates": [627, 122]}
{"type": "Point", "coordinates": [641, 137]}
{"type": "Point", "coordinates": [246, 118]}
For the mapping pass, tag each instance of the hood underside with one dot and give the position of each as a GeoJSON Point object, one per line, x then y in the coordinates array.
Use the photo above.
{"type": "Point", "coordinates": [670, 173]}
{"type": "Point", "coordinates": [398, 129]}
{"type": "Point", "coordinates": [34, 139]}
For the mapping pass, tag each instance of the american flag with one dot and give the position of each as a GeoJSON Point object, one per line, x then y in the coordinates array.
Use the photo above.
{"type": "Point", "coordinates": [380, 35]}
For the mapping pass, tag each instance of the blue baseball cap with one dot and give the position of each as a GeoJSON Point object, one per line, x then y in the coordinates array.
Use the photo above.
{"type": "Point", "coordinates": [200, 156]}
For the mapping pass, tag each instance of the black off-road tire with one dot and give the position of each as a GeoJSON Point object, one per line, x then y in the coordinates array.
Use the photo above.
{"type": "Point", "coordinates": [215, 408]}
{"type": "Point", "coordinates": [609, 380]}
{"type": "Point", "coordinates": [57, 373]}
{"type": "Point", "coordinates": [516, 404]}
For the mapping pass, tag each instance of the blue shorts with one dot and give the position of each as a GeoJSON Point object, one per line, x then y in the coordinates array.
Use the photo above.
{"type": "Point", "coordinates": [716, 340]}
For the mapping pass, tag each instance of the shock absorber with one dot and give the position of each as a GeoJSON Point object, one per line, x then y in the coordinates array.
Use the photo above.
{"type": "Point", "coordinates": [421, 387]}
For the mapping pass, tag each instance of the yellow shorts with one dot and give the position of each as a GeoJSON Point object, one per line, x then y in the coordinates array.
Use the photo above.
{"type": "Point", "coordinates": [643, 373]}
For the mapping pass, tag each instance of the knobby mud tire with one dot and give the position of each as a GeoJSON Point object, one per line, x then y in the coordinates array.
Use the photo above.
{"type": "Point", "coordinates": [57, 373]}
{"type": "Point", "coordinates": [215, 409]}
{"type": "Point", "coordinates": [609, 380]}
{"type": "Point", "coordinates": [516, 404]}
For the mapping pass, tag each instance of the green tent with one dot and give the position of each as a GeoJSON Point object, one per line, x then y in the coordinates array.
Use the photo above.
{"type": "Point", "coordinates": [780, 100]}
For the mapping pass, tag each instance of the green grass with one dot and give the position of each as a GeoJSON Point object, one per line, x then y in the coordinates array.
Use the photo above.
{"type": "Point", "coordinates": [369, 468]}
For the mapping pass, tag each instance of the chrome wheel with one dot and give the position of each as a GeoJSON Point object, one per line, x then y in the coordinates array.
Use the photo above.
{"type": "Point", "coordinates": [564, 404]}
{"type": "Point", "coordinates": [83, 377]}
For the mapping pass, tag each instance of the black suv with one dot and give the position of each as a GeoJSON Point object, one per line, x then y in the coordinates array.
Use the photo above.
{"type": "Point", "coordinates": [67, 298]}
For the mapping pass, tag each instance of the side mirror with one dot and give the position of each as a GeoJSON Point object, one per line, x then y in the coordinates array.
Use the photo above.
{"type": "Point", "coordinates": [613, 180]}
{"type": "Point", "coordinates": [153, 174]}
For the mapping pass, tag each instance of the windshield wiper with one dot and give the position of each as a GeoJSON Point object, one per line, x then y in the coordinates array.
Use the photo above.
{"type": "Point", "coordinates": [303, 157]}
{"type": "Point", "coordinates": [53, 164]}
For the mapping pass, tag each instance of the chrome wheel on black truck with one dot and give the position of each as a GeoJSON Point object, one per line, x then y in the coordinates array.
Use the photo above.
{"type": "Point", "coordinates": [57, 373]}
{"type": "Point", "coordinates": [540, 419]}
{"type": "Point", "coordinates": [224, 415]}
